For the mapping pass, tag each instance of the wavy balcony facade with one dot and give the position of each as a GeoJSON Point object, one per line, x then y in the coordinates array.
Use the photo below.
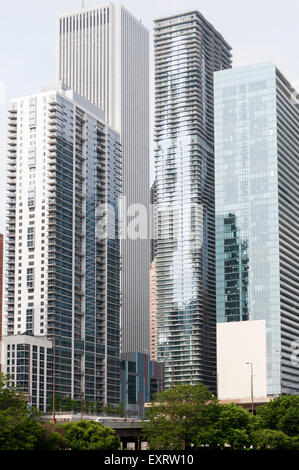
{"type": "Point", "coordinates": [188, 50]}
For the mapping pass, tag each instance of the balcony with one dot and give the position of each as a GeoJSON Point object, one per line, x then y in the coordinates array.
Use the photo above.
{"type": "Point", "coordinates": [52, 208]}
{"type": "Point", "coordinates": [52, 173]}
{"type": "Point", "coordinates": [12, 129]}
{"type": "Point", "coordinates": [12, 116]}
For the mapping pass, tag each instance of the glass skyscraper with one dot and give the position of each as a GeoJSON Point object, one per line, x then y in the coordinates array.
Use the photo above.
{"type": "Point", "coordinates": [257, 211]}
{"type": "Point", "coordinates": [63, 279]}
{"type": "Point", "coordinates": [188, 50]}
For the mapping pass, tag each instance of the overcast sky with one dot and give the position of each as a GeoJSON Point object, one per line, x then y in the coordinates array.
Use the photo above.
{"type": "Point", "coordinates": [257, 30]}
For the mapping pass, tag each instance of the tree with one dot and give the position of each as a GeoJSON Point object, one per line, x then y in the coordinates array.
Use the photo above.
{"type": "Point", "coordinates": [280, 414]}
{"type": "Point", "coordinates": [109, 409]}
{"type": "Point", "coordinates": [90, 435]}
{"type": "Point", "coordinates": [58, 403]}
{"type": "Point", "coordinates": [68, 404]}
{"type": "Point", "coordinates": [99, 408]}
{"type": "Point", "coordinates": [18, 427]}
{"type": "Point", "coordinates": [226, 425]}
{"type": "Point", "coordinates": [51, 437]}
{"type": "Point", "coordinates": [119, 410]}
{"type": "Point", "coordinates": [269, 439]}
{"type": "Point", "coordinates": [176, 416]}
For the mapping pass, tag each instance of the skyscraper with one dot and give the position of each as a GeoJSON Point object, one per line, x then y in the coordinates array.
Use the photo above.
{"type": "Point", "coordinates": [153, 311]}
{"type": "Point", "coordinates": [153, 290]}
{"type": "Point", "coordinates": [63, 277]}
{"type": "Point", "coordinates": [188, 50]}
{"type": "Point", "coordinates": [1, 291]}
{"type": "Point", "coordinates": [257, 212]}
{"type": "Point", "coordinates": [103, 54]}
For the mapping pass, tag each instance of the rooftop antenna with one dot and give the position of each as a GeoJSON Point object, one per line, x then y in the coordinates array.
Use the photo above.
{"type": "Point", "coordinates": [83, 4]}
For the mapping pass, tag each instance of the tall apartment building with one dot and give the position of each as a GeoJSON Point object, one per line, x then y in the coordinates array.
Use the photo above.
{"type": "Point", "coordinates": [153, 290]}
{"type": "Point", "coordinates": [63, 273]}
{"type": "Point", "coordinates": [257, 214]}
{"type": "Point", "coordinates": [1, 292]}
{"type": "Point", "coordinates": [153, 312]}
{"type": "Point", "coordinates": [103, 54]}
{"type": "Point", "coordinates": [188, 50]}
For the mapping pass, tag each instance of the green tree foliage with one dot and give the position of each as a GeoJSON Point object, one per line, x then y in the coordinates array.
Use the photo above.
{"type": "Point", "coordinates": [269, 439]}
{"type": "Point", "coordinates": [189, 415]}
{"type": "Point", "coordinates": [18, 428]}
{"type": "Point", "coordinates": [51, 437]}
{"type": "Point", "coordinates": [99, 408]}
{"type": "Point", "coordinates": [119, 410]}
{"type": "Point", "coordinates": [225, 425]}
{"type": "Point", "coordinates": [18, 433]}
{"type": "Point", "coordinates": [280, 414]}
{"type": "Point", "coordinates": [176, 415]}
{"type": "Point", "coordinates": [90, 435]}
{"type": "Point", "coordinates": [19, 425]}
{"type": "Point", "coordinates": [109, 409]}
{"type": "Point", "coordinates": [67, 404]}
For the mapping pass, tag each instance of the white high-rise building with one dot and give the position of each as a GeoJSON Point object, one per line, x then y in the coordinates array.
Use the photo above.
{"type": "Point", "coordinates": [103, 54]}
{"type": "Point", "coordinates": [63, 279]}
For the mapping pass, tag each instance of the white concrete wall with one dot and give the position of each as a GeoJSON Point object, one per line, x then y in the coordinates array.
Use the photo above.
{"type": "Point", "coordinates": [238, 343]}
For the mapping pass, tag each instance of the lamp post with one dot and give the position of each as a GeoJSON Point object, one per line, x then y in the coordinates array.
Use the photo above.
{"type": "Point", "coordinates": [251, 383]}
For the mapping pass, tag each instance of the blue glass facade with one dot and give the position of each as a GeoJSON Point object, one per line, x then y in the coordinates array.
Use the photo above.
{"type": "Point", "coordinates": [85, 277]}
{"type": "Point", "coordinates": [60, 246]}
{"type": "Point", "coordinates": [141, 379]}
{"type": "Point", "coordinates": [252, 107]}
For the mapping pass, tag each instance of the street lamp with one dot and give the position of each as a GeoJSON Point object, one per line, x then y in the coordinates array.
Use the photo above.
{"type": "Point", "coordinates": [251, 383]}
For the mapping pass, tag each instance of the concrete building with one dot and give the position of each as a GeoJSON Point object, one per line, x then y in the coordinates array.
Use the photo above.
{"type": "Point", "coordinates": [63, 273]}
{"type": "Point", "coordinates": [103, 54]}
{"type": "Point", "coordinates": [141, 379]}
{"type": "Point", "coordinates": [1, 291]}
{"type": "Point", "coordinates": [240, 347]}
{"type": "Point", "coordinates": [257, 220]}
{"type": "Point", "coordinates": [188, 49]}
{"type": "Point", "coordinates": [153, 312]}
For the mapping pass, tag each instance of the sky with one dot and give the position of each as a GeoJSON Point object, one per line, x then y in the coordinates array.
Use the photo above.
{"type": "Point", "coordinates": [257, 30]}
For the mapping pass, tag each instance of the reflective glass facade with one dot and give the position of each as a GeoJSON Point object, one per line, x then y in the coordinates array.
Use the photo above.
{"type": "Point", "coordinates": [141, 380]}
{"type": "Point", "coordinates": [187, 50]}
{"type": "Point", "coordinates": [64, 280]}
{"type": "Point", "coordinates": [256, 203]}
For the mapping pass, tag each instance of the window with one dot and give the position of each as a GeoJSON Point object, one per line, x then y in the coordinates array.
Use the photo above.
{"type": "Point", "coordinates": [32, 112]}
{"type": "Point", "coordinates": [31, 197]}
{"type": "Point", "coordinates": [32, 157]}
{"type": "Point", "coordinates": [29, 320]}
{"type": "Point", "coordinates": [30, 278]}
{"type": "Point", "coordinates": [30, 236]}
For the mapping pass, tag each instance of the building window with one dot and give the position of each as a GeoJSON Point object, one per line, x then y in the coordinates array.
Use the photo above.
{"type": "Point", "coordinates": [31, 197]}
{"type": "Point", "coordinates": [30, 278]}
{"type": "Point", "coordinates": [29, 320]}
{"type": "Point", "coordinates": [32, 157]}
{"type": "Point", "coordinates": [30, 236]}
